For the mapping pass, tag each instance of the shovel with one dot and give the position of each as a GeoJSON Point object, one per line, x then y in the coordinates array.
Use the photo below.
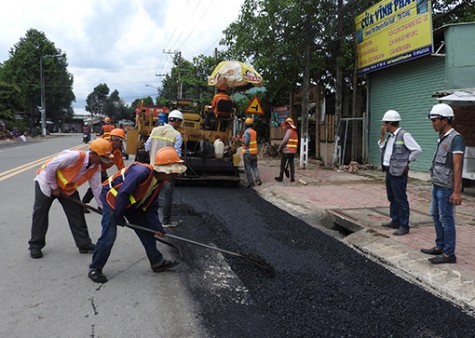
{"type": "Point", "coordinates": [253, 258]}
{"type": "Point", "coordinates": [98, 211]}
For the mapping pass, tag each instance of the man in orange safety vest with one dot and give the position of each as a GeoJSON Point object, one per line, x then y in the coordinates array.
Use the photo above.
{"type": "Point", "coordinates": [288, 148]}
{"type": "Point", "coordinates": [60, 178]}
{"type": "Point", "coordinates": [249, 153]}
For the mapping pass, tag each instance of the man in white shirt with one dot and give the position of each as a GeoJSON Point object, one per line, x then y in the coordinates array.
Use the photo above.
{"type": "Point", "coordinates": [60, 178]}
{"type": "Point", "coordinates": [161, 137]}
{"type": "Point", "coordinates": [397, 151]}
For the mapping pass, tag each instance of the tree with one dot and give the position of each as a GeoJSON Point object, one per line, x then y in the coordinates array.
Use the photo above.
{"type": "Point", "coordinates": [115, 107]}
{"type": "Point", "coordinates": [96, 100]}
{"type": "Point", "coordinates": [452, 11]}
{"type": "Point", "coordinates": [9, 103]}
{"type": "Point", "coordinates": [193, 77]}
{"type": "Point", "coordinates": [22, 69]}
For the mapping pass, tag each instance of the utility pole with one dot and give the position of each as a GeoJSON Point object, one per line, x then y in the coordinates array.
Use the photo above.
{"type": "Point", "coordinates": [338, 86]}
{"type": "Point", "coordinates": [179, 83]}
{"type": "Point", "coordinates": [305, 87]}
{"type": "Point", "coordinates": [42, 98]}
{"type": "Point", "coordinates": [216, 63]}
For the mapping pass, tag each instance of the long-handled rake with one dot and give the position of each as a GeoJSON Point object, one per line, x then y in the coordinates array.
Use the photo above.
{"type": "Point", "coordinates": [250, 257]}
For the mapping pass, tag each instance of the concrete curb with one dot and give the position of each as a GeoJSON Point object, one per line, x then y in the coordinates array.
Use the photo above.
{"type": "Point", "coordinates": [414, 267]}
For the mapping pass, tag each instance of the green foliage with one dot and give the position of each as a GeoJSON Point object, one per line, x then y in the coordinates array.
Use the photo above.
{"type": "Point", "coordinates": [96, 100]}
{"type": "Point", "coordinates": [452, 11]}
{"type": "Point", "coordinates": [100, 102]}
{"type": "Point", "coordinates": [194, 78]}
{"type": "Point", "coordinates": [9, 103]}
{"type": "Point", "coordinates": [22, 70]}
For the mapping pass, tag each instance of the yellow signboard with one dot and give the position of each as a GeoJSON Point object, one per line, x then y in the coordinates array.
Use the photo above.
{"type": "Point", "coordinates": [254, 107]}
{"type": "Point", "coordinates": [393, 31]}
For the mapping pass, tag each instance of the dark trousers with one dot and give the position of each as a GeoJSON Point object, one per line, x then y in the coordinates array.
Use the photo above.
{"type": "Point", "coordinates": [88, 196]}
{"type": "Point", "coordinates": [287, 157]}
{"type": "Point", "coordinates": [74, 214]}
{"type": "Point", "coordinates": [396, 187]}
{"type": "Point", "coordinates": [109, 234]}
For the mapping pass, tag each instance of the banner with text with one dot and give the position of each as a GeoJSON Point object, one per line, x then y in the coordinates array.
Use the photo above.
{"type": "Point", "coordinates": [393, 31]}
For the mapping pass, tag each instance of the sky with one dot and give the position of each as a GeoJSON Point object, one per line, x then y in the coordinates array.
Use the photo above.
{"type": "Point", "coordinates": [119, 42]}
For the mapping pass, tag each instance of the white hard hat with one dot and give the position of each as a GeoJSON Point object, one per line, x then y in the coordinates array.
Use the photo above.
{"type": "Point", "coordinates": [176, 114]}
{"type": "Point", "coordinates": [391, 116]}
{"type": "Point", "coordinates": [441, 110]}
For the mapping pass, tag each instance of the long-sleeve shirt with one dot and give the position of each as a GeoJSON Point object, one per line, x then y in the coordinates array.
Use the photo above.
{"type": "Point", "coordinates": [117, 160]}
{"type": "Point", "coordinates": [283, 145]}
{"type": "Point", "coordinates": [409, 142]}
{"type": "Point", "coordinates": [134, 176]}
{"type": "Point", "coordinates": [47, 178]}
{"type": "Point", "coordinates": [177, 145]}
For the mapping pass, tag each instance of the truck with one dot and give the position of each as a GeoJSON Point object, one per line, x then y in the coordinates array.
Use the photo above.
{"type": "Point", "coordinates": [200, 128]}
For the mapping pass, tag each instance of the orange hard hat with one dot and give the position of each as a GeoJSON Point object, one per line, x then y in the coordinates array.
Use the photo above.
{"type": "Point", "coordinates": [103, 148]}
{"type": "Point", "coordinates": [167, 161]}
{"type": "Point", "coordinates": [117, 134]}
{"type": "Point", "coordinates": [249, 121]}
{"type": "Point", "coordinates": [167, 155]}
{"type": "Point", "coordinates": [107, 119]}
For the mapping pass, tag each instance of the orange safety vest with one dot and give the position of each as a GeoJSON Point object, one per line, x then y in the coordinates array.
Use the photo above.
{"type": "Point", "coordinates": [106, 129]}
{"type": "Point", "coordinates": [146, 189]}
{"type": "Point", "coordinates": [252, 142]}
{"type": "Point", "coordinates": [293, 141]}
{"type": "Point", "coordinates": [65, 176]}
{"type": "Point", "coordinates": [117, 160]}
{"type": "Point", "coordinates": [218, 97]}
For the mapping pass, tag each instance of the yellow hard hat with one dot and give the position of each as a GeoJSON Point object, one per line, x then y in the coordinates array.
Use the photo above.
{"type": "Point", "coordinates": [249, 121]}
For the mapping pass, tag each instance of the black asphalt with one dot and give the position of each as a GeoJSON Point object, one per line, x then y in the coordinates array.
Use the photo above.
{"type": "Point", "coordinates": [322, 288]}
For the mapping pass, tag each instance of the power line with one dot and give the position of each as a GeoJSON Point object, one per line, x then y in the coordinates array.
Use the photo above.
{"type": "Point", "coordinates": [189, 19]}
{"type": "Point", "coordinates": [196, 25]}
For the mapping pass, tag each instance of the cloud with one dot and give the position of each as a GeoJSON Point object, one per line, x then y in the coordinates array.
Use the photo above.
{"type": "Point", "coordinates": [119, 42]}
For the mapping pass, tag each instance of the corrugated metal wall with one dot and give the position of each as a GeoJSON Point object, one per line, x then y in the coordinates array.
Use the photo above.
{"type": "Point", "coordinates": [407, 88]}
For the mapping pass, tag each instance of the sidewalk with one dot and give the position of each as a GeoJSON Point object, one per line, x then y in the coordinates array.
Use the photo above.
{"type": "Point", "coordinates": [352, 206]}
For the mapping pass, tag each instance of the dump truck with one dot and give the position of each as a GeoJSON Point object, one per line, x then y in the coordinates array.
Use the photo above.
{"type": "Point", "coordinates": [200, 128]}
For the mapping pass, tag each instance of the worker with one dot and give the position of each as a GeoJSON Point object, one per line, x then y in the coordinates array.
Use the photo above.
{"type": "Point", "coordinates": [106, 128]}
{"type": "Point", "coordinates": [60, 178]}
{"type": "Point", "coordinates": [397, 151]}
{"type": "Point", "coordinates": [160, 137]}
{"type": "Point", "coordinates": [132, 195]}
{"type": "Point", "coordinates": [117, 136]}
{"type": "Point", "coordinates": [446, 177]}
{"type": "Point", "coordinates": [249, 152]}
{"type": "Point", "coordinates": [218, 106]}
{"type": "Point", "coordinates": [288, 148]}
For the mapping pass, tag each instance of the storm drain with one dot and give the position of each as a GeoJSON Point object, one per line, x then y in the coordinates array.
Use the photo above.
{"type": "Point", "coordinates": [343, 223]}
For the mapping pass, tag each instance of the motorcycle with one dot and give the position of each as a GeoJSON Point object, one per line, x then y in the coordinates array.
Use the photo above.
{"type": "Point", "coordinates": [86, 138]}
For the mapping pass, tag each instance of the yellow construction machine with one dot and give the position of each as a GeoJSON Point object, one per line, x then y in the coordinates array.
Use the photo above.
{"type": "Point", "coordinates": [209, 141]}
